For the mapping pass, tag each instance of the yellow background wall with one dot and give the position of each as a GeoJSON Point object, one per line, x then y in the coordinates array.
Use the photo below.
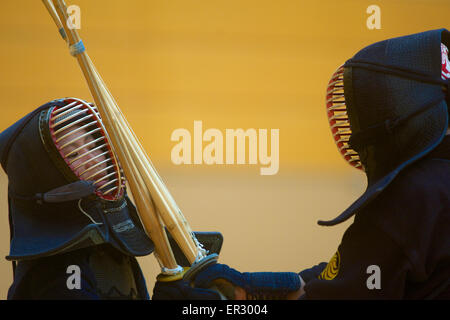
{"type": "Point", "coordinates": [232, 64]}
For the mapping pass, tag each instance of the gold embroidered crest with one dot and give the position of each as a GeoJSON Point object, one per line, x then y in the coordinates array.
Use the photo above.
{"type": "Point", "coordinates": [332, 268]}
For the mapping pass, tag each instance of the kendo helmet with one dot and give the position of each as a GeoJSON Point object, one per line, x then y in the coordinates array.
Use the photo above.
{"type": "Point", "coordinates": [388, 107]}
{"type": "Point", "coordinates": [66, 189]}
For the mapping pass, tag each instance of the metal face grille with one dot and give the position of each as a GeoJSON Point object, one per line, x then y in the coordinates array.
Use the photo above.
{"type": "Point", "coordinates": [338, 118]}
{"type": "Point", "coordinates": [81, 139]}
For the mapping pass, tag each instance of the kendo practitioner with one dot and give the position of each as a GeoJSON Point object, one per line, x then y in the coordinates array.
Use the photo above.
{"type": "Point", "coordinates": [388, 111]}
{"type": "Point", "coordinates": [74, 232]}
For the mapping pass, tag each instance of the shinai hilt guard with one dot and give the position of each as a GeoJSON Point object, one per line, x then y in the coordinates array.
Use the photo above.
{"type": "Point", "coordinates": [198, 266]}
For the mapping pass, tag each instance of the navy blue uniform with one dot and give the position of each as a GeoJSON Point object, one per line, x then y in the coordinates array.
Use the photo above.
{"type": "Point", "coordinates": [405, 233]}
{"type": "Point", "coordinates": [105, 273]}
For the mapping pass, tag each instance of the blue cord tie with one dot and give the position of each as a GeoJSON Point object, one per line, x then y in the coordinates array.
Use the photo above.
{"type": "Point", "coordinates": [77, 48]}
{"type": "Point", "coordinates": [63, 33]}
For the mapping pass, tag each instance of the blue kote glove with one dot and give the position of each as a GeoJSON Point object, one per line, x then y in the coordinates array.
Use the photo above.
{"type": "Point", "coordinates": [181, 290]}
{"type": "Point", "coordinates": [220, 277]}
{"type": "Point", "coordinates": [257, 285]}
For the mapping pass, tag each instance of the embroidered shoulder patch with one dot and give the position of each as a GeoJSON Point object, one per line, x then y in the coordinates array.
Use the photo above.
{"type": "Point", "coordinates": [332, 268]}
